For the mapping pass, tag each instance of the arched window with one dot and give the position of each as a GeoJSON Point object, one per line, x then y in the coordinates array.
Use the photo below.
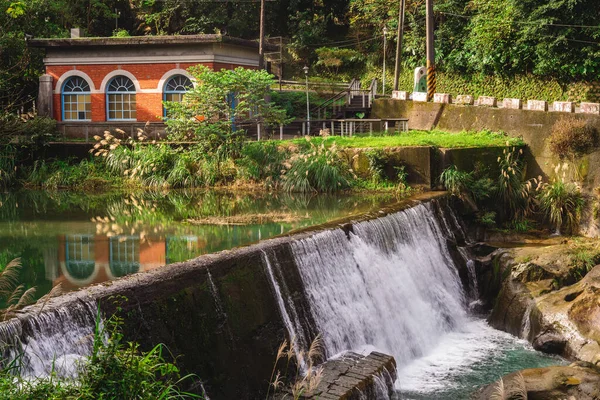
{"type": "Point", "coordinates": [176, 87]}
{"type": "Point", "coordinates": [76, 100]}
{"type": "Point", "coordinates": [121, 102]}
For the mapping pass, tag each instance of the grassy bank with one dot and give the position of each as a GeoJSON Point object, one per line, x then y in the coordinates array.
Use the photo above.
{"type": "Point", "coordinates": [435, 138]}
{"type": "Point", "coordinates": [316, 164]}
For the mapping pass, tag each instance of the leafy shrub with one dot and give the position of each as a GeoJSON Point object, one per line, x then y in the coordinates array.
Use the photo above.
{"type": "Point", "coordinates": [561, 203]}
{"type": "Point", "coordinates": [377, 163]}
{"type": "Point", "coordinates": [262, 161]}
{"type": "Point", "coordinates": [487, 219]}
{"type": "Point", "coordinates": [319, 169]}
{"type": "Point", "coordinates": [456, 182]}
{"type": "Point", "coordinates": [572, 137]}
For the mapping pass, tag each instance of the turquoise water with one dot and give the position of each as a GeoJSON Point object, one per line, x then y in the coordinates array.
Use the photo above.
{"type": "Point", "coordinates": [76, 240]}
{"type": "Point", "coordinates": [465, 360]}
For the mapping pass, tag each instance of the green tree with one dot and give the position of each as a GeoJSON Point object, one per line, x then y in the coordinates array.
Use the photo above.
{"type": "Point", "coordinates": [215, 111]}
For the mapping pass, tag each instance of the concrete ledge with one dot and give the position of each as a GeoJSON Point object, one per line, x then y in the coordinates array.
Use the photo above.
{"type": "Point", "coordinates": [537, 105]}
{"type": "Point", "coordinates": [590, 108]}
{"type": "Point", "coordinates": [399, 95]}
{"type": "Point", "coordinates": [464, 100]}
{"type": "Point", "coordinates": [515, 104]}
{"type": "Point", "coordinates": [419, 96]}
{"type": "Point", "coordinates": [486, 101]}
{"type": "Point", "coordinates": [442, 98]}
{"type": "Point", "coordinates": [563, 106]}
{"type": "Point", "coordinates": [353, 377]}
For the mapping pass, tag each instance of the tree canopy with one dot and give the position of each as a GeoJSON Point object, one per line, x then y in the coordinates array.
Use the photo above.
{"type": "Point", "coordinates": [556, 38]}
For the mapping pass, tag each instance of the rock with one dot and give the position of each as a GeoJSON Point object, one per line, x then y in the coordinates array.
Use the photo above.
{"type": "Point", "coordinates": [515, 104]}
{"type": "Point", "coordinates": [579, 381]}
{"type": "Point", "coordinates": [544, 300]}
{"type": "Point", "coordinates": [537, 105]}
{"type": "Point", "coordinates": [550, 342]}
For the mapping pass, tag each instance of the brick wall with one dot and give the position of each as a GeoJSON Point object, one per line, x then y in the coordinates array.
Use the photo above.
{"type": "Point", "coordinates": [149, 105]}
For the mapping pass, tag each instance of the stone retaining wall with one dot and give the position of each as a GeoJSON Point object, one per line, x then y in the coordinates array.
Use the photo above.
{"type": "Point", "coordinates": [533, 126]}
{"type": "Point", "coordinates": [354, 377]}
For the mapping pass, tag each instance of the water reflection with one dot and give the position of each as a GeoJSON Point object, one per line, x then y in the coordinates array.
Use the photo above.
{"type": "Point", "coordinates": [78, 240]}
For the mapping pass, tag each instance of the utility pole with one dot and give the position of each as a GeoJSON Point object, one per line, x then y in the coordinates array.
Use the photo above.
{"type": "Point", "coordinates": [384, 52]}
{"type": "Point", "coordinates": [399, 43]}
{"type": "Point", "coordinates": [261, 40]}
{"type": "Point", "coordinates": [430, 52]}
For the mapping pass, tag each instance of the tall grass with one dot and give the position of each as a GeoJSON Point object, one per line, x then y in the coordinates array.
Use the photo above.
{"type": "Point", "coordinates": [306, 375]}
{"type": "Point", "coordinates": [317, 169]}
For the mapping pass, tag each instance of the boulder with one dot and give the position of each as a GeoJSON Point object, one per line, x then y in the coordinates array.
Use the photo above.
{"type": "Point", "coordinates": [578, 381]}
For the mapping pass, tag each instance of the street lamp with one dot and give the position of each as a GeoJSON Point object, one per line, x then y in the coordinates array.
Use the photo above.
{"type": "Point", "coordinates": [305, 69]}
{"type": "Point", "coordinates": [384, 51]}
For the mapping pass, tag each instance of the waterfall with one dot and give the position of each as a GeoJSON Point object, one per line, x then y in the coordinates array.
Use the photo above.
{"type": "Point", "coordinates": [51, 340]}
{"type": "Point", "coordinates": [390, 285]}
{"type": "Point", "coordinates": [292, 322]}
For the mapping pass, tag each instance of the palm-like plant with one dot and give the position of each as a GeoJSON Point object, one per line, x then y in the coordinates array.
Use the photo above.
{"type": "Point", "coordinates": [561, 204]}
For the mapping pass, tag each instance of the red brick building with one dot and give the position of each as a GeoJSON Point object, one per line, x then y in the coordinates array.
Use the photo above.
{"type": "Point", "coordinates": [92, 84]}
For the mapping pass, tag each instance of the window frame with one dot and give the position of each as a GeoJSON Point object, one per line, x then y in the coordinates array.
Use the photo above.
{"type": "Point", "coordinates": [179, 92]}
{"type": "Point", "coordinates": [117, 92]}
{"type": "Point", "coordinates": [64, 93]}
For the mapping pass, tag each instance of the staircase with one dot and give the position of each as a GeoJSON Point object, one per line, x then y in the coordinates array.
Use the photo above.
{"type": "Point", "coordinates": [347, 103]}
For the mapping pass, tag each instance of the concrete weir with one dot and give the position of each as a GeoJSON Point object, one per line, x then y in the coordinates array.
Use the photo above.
{"type": "Point", "coordinates": [224, 315]}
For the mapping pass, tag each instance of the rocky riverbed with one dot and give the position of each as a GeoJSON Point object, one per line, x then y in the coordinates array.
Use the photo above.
{"type": "Point", "coordinates": [547, 292]}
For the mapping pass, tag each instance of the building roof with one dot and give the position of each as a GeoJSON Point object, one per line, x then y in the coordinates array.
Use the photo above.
{"type": "Point", "coordinates": [144, 40]}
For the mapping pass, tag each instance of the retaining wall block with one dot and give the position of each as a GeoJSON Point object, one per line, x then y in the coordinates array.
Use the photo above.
{"type": "Point", "coordinates": [399, 95]}
{"type": "Point", "coordinates": [590, 108]}
{"type": "Point", "coordinates": [419, 96]}
{"type": "Point", "coordinates": [442, 98]}
{"type": "Point", "coordinates": [537, 105]}
{"type": "Point", "coordinates": [563, 106]}
{"type": "Point", "coordinates": [464, 100]}
{"type": "Point", "coordinates": [515, 104]}
{"type": "Point", "coordinates": [486, 101]}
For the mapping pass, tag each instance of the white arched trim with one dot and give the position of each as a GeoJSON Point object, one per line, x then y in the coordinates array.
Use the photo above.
{"type": "Point", "coordinates": [118, 72]}
{"type": "Point", "coordinates": [79, 282]}
{"type": "Point", "coordinates": [170, 74]}
{"type": "Point", "coordinates": [68, 74]}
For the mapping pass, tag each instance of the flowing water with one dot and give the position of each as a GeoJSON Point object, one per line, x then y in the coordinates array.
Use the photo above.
{"type": "Point", "coordinates": [392, 286]}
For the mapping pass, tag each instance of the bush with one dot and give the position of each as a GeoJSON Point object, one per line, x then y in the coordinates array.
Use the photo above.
{"type": "Point", "coordinates": [115, 370]}
{"type": "Point", "coordinates": [262, 161]}
{"type": "Point", "coordinates": [572, 137]}
{"type": "Point", "coordinates": [561, 203]}
{"type": "Point", "coordinates": [317, 169]}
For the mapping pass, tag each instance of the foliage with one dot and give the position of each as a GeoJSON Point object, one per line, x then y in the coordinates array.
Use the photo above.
{"type": "Point", "coordinates": [572, 137]}
{"type": "Point", "coordinates": [316, 169]}
{"type": "Point", "coordinates": [115, 370]}
{"type": "Point", "coordinates": [487, 219]}
{"type": "Point", "coordinates": [262, 162]}
{"type": "Point", "coordinates": [561, 204]}
{"type": "Point", "coordinates": [88, 175]}
{"type": "Point", "coordinates": [435, 138]}
{"type": "Point", "coordinates": [514, 192]}
{"type": "Point", "coordinates": [331, 60]}
{"type": "Point", "coordinates": [151, 164]}
{"type": "Point", "coordinates": [294, 102]}
{"type": "Point", "coordinates": [212, 114]}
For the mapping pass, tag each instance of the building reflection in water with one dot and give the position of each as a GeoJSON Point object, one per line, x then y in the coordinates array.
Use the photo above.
{"type": "Point", "coordinates": [87, 259]}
